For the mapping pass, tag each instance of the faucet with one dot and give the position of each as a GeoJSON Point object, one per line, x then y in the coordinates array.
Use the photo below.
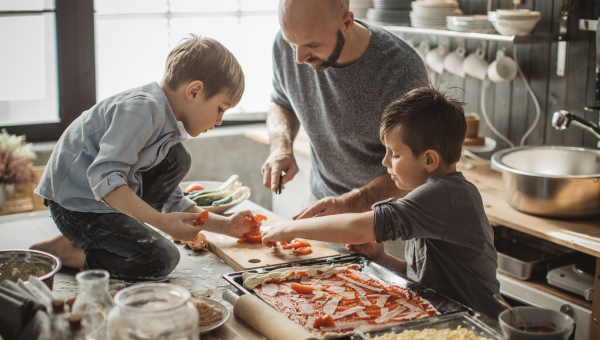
{"type": "Point", "coordinates": [562, 119]}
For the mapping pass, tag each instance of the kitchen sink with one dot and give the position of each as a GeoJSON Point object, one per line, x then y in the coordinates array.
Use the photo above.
{"type": "Point", "coordinates": [551, 181]}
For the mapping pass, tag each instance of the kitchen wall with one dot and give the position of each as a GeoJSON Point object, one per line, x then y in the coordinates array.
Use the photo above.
{"type": "Point", "coordinates": [509, 105]}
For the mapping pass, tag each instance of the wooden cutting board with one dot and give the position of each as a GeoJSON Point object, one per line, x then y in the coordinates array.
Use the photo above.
{"type": "Point", "coordinates": [242, 256]}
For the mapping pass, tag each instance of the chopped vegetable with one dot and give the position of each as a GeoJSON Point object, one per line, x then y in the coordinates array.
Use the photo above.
{"type": "Point", "coordinates": [298, 243]}
{"type": "Point", "coordinates": [242, 240]}
{"type": "Point", "coordinates": [287, 246]}
{"type": "Point", "coordinates": [283, 243]}
{"type": "Point", "coordinates": [325, 321]}
{"type": "Point", "coordinates": [175, 240]}
{"type": "Point", "coordinates": [300, 289]}
{"type": "Point", "coordinates": [302, 251]}
{"type": "Point", "coordinates": [197, 243]}
{"type": "Point", "coordinates": [235, 195]}
{"type": "Point", "coordinates": [193, 187]}
{"type": "Point", "coordinates": [203, 217]}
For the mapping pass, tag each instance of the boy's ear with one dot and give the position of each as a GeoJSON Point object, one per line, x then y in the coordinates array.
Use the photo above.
{"type": "Point", "coordinates": [194, 89]}
{"type": "Point", "coordinates": [432, 160]}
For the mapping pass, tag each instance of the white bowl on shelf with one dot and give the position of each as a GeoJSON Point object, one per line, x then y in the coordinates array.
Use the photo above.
{"type": "Point", "coordinates": [514, 27]}
{"type": "Point", "coordinates": [211, 185]}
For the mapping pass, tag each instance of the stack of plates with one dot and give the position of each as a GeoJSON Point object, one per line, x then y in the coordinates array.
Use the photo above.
{"type": "Point", "coordinates": [470, 23]}
{"type": "Point", "coordinates": [360, 7]}
{"type": "Point", "coordinates": [432, 13]}
{"type": "Point", "coordinates": [390, 12]}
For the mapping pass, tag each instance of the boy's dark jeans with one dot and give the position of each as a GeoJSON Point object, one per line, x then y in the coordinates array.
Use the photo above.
{"type": "Point", "coordinates": [120, 244]}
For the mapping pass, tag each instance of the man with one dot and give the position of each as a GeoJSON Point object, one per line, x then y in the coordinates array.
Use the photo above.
{"type": "Point", "coordinates": [335, 76]}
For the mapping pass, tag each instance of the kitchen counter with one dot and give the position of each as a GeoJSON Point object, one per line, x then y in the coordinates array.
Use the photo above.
{"type": "Point", "coordinates": [581, 235]}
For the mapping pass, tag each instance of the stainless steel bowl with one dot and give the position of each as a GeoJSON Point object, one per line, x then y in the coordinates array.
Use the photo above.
{"type": "Point", "coordinates": [551, 181]}
{"type": "Point", "coordinates": [31, 261]}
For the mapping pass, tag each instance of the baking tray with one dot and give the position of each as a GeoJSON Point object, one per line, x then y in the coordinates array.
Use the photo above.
{"type": "Point", "coordinates": [527, 257]}
{"type": "Point", "coordinates": [443, 304]}
{"type": "Point", "coordinates": [464, 320]}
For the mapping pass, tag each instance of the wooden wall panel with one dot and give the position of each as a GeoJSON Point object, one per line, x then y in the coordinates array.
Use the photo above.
{"type": "Point", "coordinates": [509, 105]}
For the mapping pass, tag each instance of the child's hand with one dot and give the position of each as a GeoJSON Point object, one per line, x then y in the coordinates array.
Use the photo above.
{"type": "Point", "coordinates": [180, 225]}
{"type": "Point", "coordinates": [372, 249]}
{"type": "Point", "coordinates": [276, 233]}
{"type": "Point", "coordinates": [239, 225]}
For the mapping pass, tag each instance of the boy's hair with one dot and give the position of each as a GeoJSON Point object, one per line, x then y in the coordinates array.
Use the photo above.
{"type": "Point", "coordinates": [205, 59]}
{"type": "Point", "coordinates": [427, 119]}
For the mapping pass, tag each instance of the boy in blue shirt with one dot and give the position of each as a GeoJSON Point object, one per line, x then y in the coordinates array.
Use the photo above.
{"type": "Point", "coordinates": [119, 165]}
{"type": "Point", "coordinates": [449, 238]}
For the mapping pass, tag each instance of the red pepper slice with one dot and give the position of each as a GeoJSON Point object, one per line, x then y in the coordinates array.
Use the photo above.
{"type": "Point", "coordinates": [255, 239]}
{"type": "Point", "coordinates": [302, 251]}
{"type": "Point", "coordinates": [300, 289]}
{"type": "Point", "coordinates": [203, 217]}
{"type": "Point", "coordinates": [297, 243]}
{"type": "Point", "coordinates": [242, 240]}
{"type": "Point", "coordinates": [287, 246]}
{"type": "Point", "coordinates": [282, 243]}
{"type": "Point", "coordinates": [326, 321]}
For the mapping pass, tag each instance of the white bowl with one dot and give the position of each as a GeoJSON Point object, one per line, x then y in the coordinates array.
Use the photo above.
{"type": "Point", "coordinates": [536, 317]}
{"type": "Point", "coordinates": [210, 185]}
{"type": "Point", "coordinates": [514, 27]}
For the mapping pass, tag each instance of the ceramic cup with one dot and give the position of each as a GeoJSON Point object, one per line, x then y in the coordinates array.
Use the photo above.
{"type": "Point", "coordinates": [435, 59]}
{"type": "Point", "coordinates": [475, 64]}
{"type": "Point", "coordinates": [502, 69]}
{"type": "Point", "coordinates": [453, 62]}
{"type": "Point", "coordinates": [422, 51]}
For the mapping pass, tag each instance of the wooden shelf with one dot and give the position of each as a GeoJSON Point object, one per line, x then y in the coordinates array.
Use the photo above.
{"type": "Point", "coordinates": [543, 286]}
{"type": "Point", "coordinates": [515, 39]}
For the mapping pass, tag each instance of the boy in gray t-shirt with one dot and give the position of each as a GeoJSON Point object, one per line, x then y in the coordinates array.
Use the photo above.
{"type": "Point", "coordinates": [450, 241]}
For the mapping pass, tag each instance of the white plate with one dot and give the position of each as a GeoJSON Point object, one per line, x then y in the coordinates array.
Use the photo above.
{"type": "Point", "coordinates": [211, 327]}
{"type": "Point", "coordinates": [210, 185]}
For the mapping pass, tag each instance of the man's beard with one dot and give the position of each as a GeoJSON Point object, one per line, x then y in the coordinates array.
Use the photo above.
{"type": "Point", "coordinates": [333, 57]}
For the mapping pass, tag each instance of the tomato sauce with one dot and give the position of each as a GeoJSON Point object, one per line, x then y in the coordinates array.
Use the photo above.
{"type": "Point", "coordinates": [373, 311]}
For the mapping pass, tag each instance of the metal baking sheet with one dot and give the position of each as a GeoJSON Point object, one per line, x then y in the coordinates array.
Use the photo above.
{"type": "Point", "coordinates": [443, 304]}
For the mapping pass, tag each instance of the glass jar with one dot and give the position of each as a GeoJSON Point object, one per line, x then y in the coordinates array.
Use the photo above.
{"type": "Point", "coordinates": [93, 302]}
{"type": "Point", "coordinates": [153, 311]}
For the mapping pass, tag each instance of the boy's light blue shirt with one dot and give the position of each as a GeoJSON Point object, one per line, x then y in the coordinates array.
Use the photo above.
{"type": "Point", "coordinates": [110, 145]}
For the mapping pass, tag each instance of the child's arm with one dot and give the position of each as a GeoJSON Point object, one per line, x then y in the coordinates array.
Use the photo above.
{"type": "Point", "coordinates": [346, 228]}
{"type": "Point", "coordinates": [234, 226]}
{"type": "Point", "coordinates": [179, 225]}
{"type": "Point", "coordinates": [377, 253]}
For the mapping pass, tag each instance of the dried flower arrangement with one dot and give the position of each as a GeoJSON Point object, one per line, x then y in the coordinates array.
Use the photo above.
{"type": "Point", "coordinates": [15, 159]}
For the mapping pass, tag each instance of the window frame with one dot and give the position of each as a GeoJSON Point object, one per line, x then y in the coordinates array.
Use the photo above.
{"type": "Point", "coordinates": [76, 69]}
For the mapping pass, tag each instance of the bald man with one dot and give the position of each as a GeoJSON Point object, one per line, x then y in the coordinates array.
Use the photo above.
{"type": "Point", "coordinates": [335, 76]}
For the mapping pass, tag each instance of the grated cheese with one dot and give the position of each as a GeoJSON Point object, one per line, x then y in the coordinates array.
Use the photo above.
{"type": "Point", "coordinates": [431, 334]}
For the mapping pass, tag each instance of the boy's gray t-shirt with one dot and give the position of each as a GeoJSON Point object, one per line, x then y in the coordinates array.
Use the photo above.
{"type": "Point", "coordinates": [341, 108]}
{"type": "Point", "coordinates": [450, 244]}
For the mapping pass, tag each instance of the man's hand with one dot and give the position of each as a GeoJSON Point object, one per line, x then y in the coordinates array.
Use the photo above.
{"type": "Point", "coordinates": [371, 249]}
{"type": "Point", "coordinates": [238, 224]}
{"type": "Point", "coordinates": [324, 207]}
{"type": "Point", "coordinates": [277, 233]}
{"type": "Point", "coordinates": [180, 225]}
{"type": "Point", "coordinates": [271, 170]}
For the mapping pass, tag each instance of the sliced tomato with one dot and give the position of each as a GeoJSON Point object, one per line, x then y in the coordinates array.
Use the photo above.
{"type": "Point", "coordinates": [300, 289]}
{"type": "Point", "coordinates": [203, 217]}
{"type": "Point", "coordinates": [302, 251]}
{"type": "Point", "coordinates": [326, 321]}
{"type": "Point", "coordinates": [194, 187]}
{"type": "Point", "coordinates": [242, 240]}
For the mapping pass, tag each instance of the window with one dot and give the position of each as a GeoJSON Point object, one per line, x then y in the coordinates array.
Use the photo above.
{"type": "Point", "coordinates": [134, 37]}
{"type": "Point", "coordinates": [28, 63]}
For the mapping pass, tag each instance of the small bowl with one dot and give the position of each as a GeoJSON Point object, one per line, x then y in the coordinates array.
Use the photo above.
{"type": "Point", "coordinates": [31, 262]}
{"type": "Point", "coordinates": [211, 185]}
{"type": "Point", "coordinates": [536, 317]}
{"type": "Point", "coordinates": [510, 27]}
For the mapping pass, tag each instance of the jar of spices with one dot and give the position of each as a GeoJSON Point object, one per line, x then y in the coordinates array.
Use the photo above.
{"type": "Point", "coordinates": [153, 311]}
{"type": "Point", "coordinates": [93, 302]}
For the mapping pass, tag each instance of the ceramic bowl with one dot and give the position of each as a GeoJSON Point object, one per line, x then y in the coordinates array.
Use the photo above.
{"type": "Point", "coordinates": [536, 317]}
{"type": "Point", "coordinates": [512, 27]}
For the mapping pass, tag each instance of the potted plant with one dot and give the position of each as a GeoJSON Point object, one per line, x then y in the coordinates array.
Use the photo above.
{"type": "Point", "coordinates": [15, 164]}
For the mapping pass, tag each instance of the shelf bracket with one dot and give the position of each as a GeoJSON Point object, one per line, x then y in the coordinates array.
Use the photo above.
{"type": "Point", "coordinates": [561, 55]}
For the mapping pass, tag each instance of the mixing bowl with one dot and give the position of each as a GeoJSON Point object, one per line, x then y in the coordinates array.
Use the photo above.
{"type": "Point", "coordinates": [21, 263]}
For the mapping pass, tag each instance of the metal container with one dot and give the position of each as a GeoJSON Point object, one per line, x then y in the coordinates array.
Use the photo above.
{"type": "Point", "coordinates": [560, 322]}
{"type": "Point", "coordinates": [29, 262]}
{"type": "Point", "coordinates": [524, 256]}
{"type": "Point", "coordinates": [551, 181]}
{"type": "Point", "coordinates": [451, 322]}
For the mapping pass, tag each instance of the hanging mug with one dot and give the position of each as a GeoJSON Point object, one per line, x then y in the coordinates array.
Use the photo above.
{"type": "Point", "coordinates": [453, 62]}
{"type": "Point", "coordinates": [502, 69]}
{"type": "Point", "coordinates": [475, 64]}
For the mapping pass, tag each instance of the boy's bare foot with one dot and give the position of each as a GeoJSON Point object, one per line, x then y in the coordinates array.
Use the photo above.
{"type": "Point", "coordinates": [70, 255]}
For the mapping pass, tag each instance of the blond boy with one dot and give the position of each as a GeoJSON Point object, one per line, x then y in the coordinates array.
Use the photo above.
{"type": "Point", "coordinates": [118, 166]}
{"type": "Point", "coordinates": [449, 239]}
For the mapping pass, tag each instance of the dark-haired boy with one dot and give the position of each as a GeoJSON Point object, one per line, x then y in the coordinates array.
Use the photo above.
{"type": "Point", "coordinates": [450, 241]}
